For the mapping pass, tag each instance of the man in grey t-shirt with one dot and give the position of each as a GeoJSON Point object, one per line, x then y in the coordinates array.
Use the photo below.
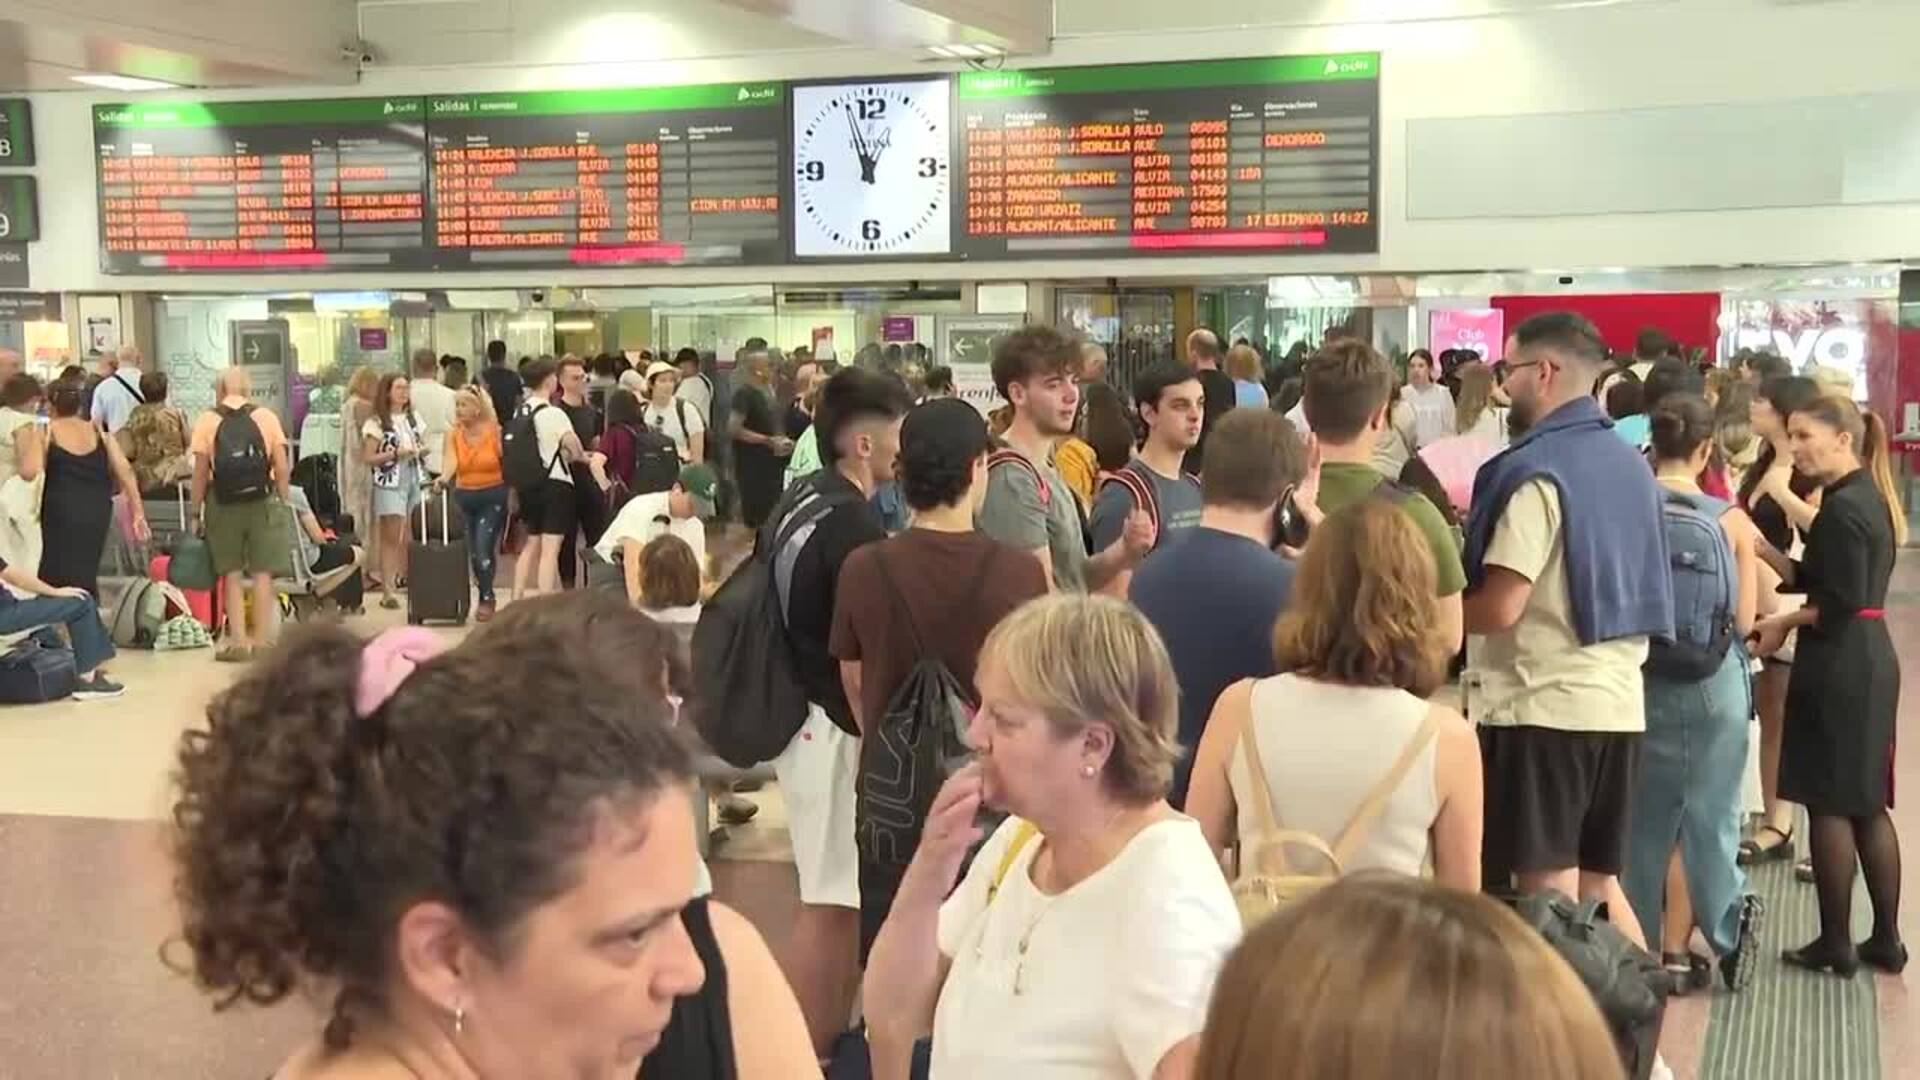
{"type": "Point", "coordinates": [1028, 505]}
{"type": "Point", "coordinates": [1170, 401]}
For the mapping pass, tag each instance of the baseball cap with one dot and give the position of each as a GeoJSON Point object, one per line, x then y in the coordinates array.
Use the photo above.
{"type": "Point", "coordinates": [658, 368]}
{"type": "Point", "coordinates": [632, 380]}
{"type": "Point", "coordinates": [699, 483]}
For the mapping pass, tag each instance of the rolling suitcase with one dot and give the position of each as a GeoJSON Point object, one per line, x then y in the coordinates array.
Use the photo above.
{"type": "Point", "coordinates": [438, 572]}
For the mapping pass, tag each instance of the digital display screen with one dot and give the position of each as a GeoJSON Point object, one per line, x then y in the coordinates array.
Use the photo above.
{"type": "Point", "coordinates": [262, 185]}
{"type": "Point", "coordinates": [1272, 155]}
{"type": "Point", "coordinates": [661, 175]}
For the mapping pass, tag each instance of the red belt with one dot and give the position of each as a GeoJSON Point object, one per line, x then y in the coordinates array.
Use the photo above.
{"type": "Point", "coordinates": [1872, 614]}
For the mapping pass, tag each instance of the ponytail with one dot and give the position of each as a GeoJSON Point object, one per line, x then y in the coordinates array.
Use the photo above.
{"type": "Point", "coordinates": [1877, 455]}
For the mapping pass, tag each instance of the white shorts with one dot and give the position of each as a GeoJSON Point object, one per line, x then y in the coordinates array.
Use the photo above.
{"type": "Point", "coordinates": [816, 773]}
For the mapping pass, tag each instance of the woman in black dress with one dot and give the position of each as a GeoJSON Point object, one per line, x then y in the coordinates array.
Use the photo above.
{"type": "Point", "coordinates": [1844, 693]}
{"type": "Point", "coordinates": [76, 509]}
{"type": "Point", "coordinates": [1782, 502]}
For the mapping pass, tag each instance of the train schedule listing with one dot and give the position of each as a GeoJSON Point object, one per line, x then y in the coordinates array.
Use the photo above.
{"type": "Point", "coordinates": [262, 185]}
{"type": "Point", "coordinates": [657, 175]}
{"type": "Point", "coordinates": [1276, 154]}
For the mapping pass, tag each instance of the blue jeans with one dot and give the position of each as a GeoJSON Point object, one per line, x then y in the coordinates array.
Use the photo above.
{"type": "Point", "coordinates": [79, 614]}
{"type": "Point", "coordinates": [486, 512]}
{"type": "Point", "coordinates": [1691, 763]}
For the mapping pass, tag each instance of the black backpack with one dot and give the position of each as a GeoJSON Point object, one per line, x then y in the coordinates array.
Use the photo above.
{"type": "Point", "coordinates": [747, 700]}
{"type": "Point", "coordinates": [911, 750]}
{"type": "Point", "coordinates": [319, 476]}
{"type": "Point", "coordinates": [241, 472]}
{"type": "Point", "coordinates": [520, 456]}
{"type": "Point", "coordinates": [1628, 985]}
{"type": "Point", "coordinates": [656, 461]}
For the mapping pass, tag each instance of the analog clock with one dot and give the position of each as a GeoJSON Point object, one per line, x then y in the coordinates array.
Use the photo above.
{"type": "Point", "coordinates": [870, 169]}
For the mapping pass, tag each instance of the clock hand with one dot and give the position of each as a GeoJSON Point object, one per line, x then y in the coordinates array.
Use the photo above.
{"type": "Point", "coordinates": [859, 139]}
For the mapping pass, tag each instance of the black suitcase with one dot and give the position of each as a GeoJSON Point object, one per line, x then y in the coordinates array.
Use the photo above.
{"type": "Point", "coordinates": [31, 673]}
{"type": "Point", "coordinates": [319, 476]}
{"type": "Point", "coordinates": [438, 571]}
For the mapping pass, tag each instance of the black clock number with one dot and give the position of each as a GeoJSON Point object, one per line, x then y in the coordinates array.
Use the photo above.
{"type": "Point", "coordinates": [815, 171]}
{"type": "Point", "coordinates": [870, 229]}
{"type": "Point", "coordinates": [872, 108]}
{"type": "Point", "coordinates": [929, 166]}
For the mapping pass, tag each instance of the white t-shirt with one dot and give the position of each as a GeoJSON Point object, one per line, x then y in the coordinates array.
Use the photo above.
{"type": "Point", "coordinates": [697, 392]}
{"type": "Point", "coordinates": [550, 426]}
{"type": "Point", "coordinates": [114, 399]}
{"type": "Point", "coordinates": [433, 404]}
{"type": "Point", "coordinates": [1433, 412]}
{"type": "Point", "coordinates": [667, 421]}
{"type": "Point", "coordinates": [639, 520]}
{"type": "Point", "coordinates": [1117, 970]}
{"type": "Point", "coordinates": [394, 474]}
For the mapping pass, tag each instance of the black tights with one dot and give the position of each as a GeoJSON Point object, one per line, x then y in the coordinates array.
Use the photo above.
{"type": "Point", "coordinates": [1838, 843]}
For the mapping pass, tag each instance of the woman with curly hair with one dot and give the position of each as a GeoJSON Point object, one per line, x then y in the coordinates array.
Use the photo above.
{"type": "Point", "coordinates": [494, 884]}
{"type": "Point", "coordinates": [1345, 743]}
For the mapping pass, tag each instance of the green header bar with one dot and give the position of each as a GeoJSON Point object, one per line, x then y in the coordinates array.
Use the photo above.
{"type": "Point", "coordinates": [258, 113]}
{"type": "Point", "coordinates": [633, 100]}
{"type": "Point", "coordinates": [1255, 71]}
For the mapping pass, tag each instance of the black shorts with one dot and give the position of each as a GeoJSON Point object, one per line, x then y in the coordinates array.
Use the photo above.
{"type": "Point", "coordinates": [550, 509]}
{"type": "Point", "coordinates": [1556, 799]}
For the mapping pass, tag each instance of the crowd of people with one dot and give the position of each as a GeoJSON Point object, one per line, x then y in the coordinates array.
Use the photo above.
{"type": "Point", "coordinates": [1290, 695]}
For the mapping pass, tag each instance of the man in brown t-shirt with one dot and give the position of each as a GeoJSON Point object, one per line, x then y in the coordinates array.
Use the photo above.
{"type": "Point", "coordinates": [954, 584]}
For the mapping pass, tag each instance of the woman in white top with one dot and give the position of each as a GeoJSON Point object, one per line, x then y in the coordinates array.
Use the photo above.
{"type": "Point", "coordinates": [672, 416]}
{"type": "Point", "coordinates": [392, 444]}
{"type": "Point", "coordinates": [1085, 938]}
{"type": "Point", "coordinates": [1432, 402]}
{"type": "Point", "coordinates": [22, 447]}
{"type": "Point", "coordinates": [1359, 663]}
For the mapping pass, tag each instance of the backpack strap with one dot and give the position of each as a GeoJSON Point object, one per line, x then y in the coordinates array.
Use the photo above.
{"type": "Point", "coordinates": [1361, 824]}
{"type": "Point", "coordinates": [534, 410]}
{"type": "Point", "coordinates": [1140, 487]}
{"type": "Point", "coordinates": [680, 411]}
{"type": "Point", "coordinates": [130, 388]}
{"type": "Point", "coordinates": [1261, 794]}
{"type": "Point", "coordinates": [1023, 834]}
{"type": "Point", "coordinates": [899, 599]}
{"type": "Point", "coordinates": [1009, 456]}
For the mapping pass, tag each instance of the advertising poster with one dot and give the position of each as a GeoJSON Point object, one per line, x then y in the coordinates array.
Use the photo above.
{"type": "Point", "coordinates": [967, 344]}
{"type": "Point", "coordinates": [1482, 330]}
{"type": "Point", "coordinates": [1859, 337]}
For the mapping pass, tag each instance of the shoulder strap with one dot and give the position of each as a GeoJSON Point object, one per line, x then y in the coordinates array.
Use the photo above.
{"type": "Point", "coordinates": [680, 411]}
{"type": "Point", "coordinates": [1250, 748]}
{"type": "Point", "coordinates": [1361, 823]}
{"type": "Point", "coordinates": [1140, 487]}
{"type": "Point", "coordinates": [1008, 456]}
{"type": "Point", "coordinates": [1023, 834]}
{"type": "Point", "coordinates": [1393, 491]}
{"type": "Point", "coordinates": [900, 608]}
{"type": "Point", "coordinates": [131, 389]}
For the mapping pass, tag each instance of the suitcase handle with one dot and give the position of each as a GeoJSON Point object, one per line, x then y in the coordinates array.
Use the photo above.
{"type": "Point", "coordinates": [446, 520]}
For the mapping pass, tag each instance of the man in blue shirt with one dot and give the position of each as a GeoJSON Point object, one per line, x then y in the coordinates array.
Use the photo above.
{"type": "Point", "coordinates": [1215, 592]}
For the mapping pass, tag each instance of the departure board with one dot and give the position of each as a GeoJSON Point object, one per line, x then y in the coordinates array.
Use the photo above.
{"type": "Point", "coordinates": [661, 175]}
{"type": "Point", "coordinates": [1277, 155]}
{"type": "Point", "coordinates": [262, 185]}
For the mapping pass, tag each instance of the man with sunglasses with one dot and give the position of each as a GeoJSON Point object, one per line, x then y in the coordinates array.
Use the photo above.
{"type": "Point", "coordinates": [1567, 575]}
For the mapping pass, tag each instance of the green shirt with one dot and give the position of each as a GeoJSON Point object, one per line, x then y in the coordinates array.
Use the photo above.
{"type": "Point", "coordinates": [1342, 485]}
{"type": "Point", "coordinates": [806, 457]}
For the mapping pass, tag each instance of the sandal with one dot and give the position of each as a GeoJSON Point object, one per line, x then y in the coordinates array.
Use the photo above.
{"type": "Point", "coordinates": [1753, 852]}
{"type": "Point", "coordinates": [388, 603]}
{"type": "Point", "coordinates": [234, 654]}
{"type": "Point", "coordinates": [1688, 971]}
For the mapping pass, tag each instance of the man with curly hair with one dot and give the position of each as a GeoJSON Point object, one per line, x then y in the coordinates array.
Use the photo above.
{"type": "Point", "coordinates": [930, 593]}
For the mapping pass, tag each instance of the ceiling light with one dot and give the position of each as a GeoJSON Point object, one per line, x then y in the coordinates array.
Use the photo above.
{"type": "Point", "coordinates": [966, 51]}
{"type": "Point", "coordinates": [127, 83]}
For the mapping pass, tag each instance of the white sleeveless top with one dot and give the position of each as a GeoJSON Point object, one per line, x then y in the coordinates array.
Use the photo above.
{"type": "Point", "coordinates": [1325, 746]}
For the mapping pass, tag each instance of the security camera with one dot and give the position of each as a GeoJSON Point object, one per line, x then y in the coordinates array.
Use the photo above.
{"type": "Point", "coordinates": [358, 52]}
{"type": "Point", "coordinates": [539, 296]}
{"type": "Point", "coordinates": [1566, 279]}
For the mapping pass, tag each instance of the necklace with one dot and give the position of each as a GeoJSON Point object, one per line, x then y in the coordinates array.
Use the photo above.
{"type": "Point", "coordinates": [1025, 942]}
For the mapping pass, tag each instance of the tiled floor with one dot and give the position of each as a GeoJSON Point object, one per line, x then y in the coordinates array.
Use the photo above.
{"type": "Point", "coordinates": [85, 911]}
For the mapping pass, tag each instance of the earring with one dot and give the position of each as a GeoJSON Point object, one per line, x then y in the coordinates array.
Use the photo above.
{"type": "Point", "coordinates": [1086, 771]}
{"type": "Point", "coordinates": [459, 1019]}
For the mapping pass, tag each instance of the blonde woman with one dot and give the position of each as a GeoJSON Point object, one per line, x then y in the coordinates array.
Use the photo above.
{"type": "Point", "coordinates": [1243, 365]}
{"type": "Point", "coordinates": [1084, 940]}
{"type": "Point", "coordinates": [1381, 977]}
{"type": "Point", "coordinates": [356, 475]}
{"type": "Point", "coordinates": [471, 466]}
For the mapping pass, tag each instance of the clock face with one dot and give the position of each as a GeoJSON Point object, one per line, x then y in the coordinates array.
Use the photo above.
{"type": "Point", "coordinates": [870, 169]}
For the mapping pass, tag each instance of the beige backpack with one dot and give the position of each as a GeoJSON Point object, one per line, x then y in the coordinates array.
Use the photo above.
{"type": "Point", "coordinates": [1268, 880]}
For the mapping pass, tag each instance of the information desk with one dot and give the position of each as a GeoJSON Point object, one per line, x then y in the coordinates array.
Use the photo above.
{"type": "Point", "coordinates": [1262, 154]}
{"type": "Point", "coordinates": [686, 174]}
{"type": "Point", "coordinates": [268, 185]}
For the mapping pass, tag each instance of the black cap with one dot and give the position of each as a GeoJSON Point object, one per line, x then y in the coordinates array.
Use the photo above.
{"type": "Point", "coordinates": [943, 430]}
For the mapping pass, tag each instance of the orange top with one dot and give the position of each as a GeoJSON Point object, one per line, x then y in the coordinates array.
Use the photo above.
{"type": "Point", "coordinates": [478, 460]}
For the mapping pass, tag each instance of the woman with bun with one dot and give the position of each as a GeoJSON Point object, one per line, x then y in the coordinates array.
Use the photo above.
{"type": "Point", "coordinates": [1836, 754]}
{"type": "Point", "coordinates": [488, 885]}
